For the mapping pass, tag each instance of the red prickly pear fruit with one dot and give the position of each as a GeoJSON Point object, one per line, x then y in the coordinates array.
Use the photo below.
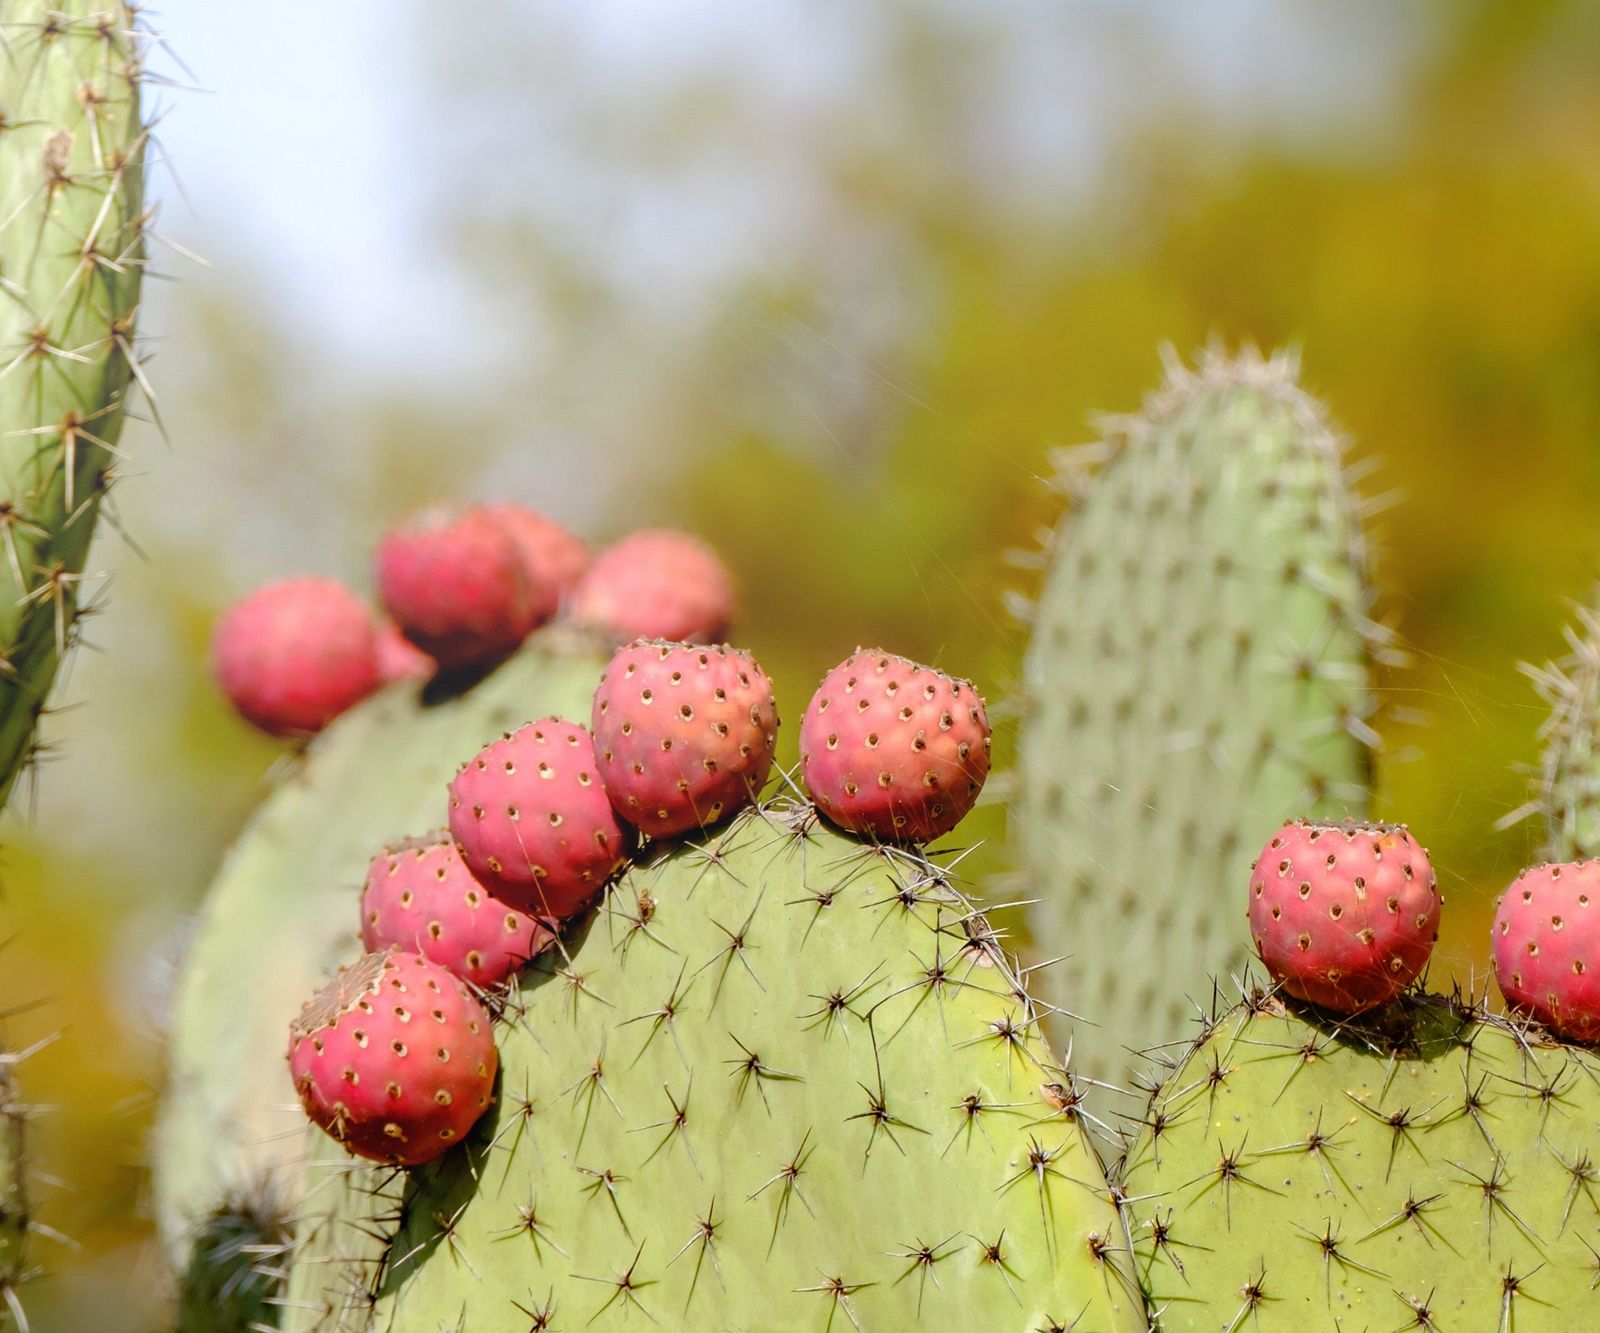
{"type": "Point", "coordinates": [420, 896]}
{"type": "Point", "coordinates": [394, 1058]}
{"type": "Point", "coordinates": [400, 659]}
{"type": "Point", "coordinates": [295, 654]}
{"type": "Point", "coordinates": [893, 749]}
{"type": "Point", "coordinates": [532, 821]}
{"type": "Point", "coordinates": [685, 735]}
{"type": "Point", "coordinates": [1546, 943]}
{"type": "Point", "coordinates": [1344, 915]}
{"type": "Point", "coordinates": [554, 557]}
{"type": "Point", "coordinates": [455, 583]}
{"type": "Point", "coordinates": [656, 584]}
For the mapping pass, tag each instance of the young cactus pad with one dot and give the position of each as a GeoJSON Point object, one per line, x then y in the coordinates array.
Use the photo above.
{"type": "Point", "coordinates": [1198, 673]}
{"type": "Point", "coordinates": [1430, 1169]}
{"type": "Point", "coordinates": [782, 1080]}
{"type": "Point", "coordinates": [1568, 792]}
{"type": "Point", "coordinates": [283, 913]}
{"type": "Point", "coordinates": [71, 256]}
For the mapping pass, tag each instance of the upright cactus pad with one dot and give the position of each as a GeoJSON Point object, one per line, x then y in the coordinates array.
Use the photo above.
{"type": "Point", "coordinates": [1198, 673]}
{"type": "Point", "coordinates": [71, 256]}
{"type": "Point", "coordinates": [1433, 1169]}
{"type": "Point", "coordinates": [285, 911]}
{"type": "Point", "coordinates": [1568, 791]}
{"type": "Point", "coordinates": [781, 1081]}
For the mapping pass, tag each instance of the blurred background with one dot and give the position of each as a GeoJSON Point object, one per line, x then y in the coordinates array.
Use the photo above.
{"type": "Point", "coordinates": [823, 281]}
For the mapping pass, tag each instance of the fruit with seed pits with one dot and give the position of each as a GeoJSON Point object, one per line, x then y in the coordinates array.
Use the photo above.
{"type": "Point", "coordinates": [1546, 943]}
{"type": "Point", "coordinates": [400, 659]}
{"type": "Point", "coordinates": [685, 735]}
{"type": "Point", "coordinates": [656, 584]}
{"type": "Point", "coordinates": [295, 654]}
{"type": "Point", "coordinates": [394, 1058]}
{"type": "Point", "coordinates": [554, 558]}
{"type": "Point", "coordinates": [420, 896]}
{"type": "Point", "coordinates": [894, 749]}
{"type": "Point", "coordinates": [1344, 915]}
{"type": "Point", "coordinates": [532, 821]}
{"type": "Point", "coordinates": [456, 585]}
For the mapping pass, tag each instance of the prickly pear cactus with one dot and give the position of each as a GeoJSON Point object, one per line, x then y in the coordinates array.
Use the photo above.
{"type": "Point", "coordinates": [1198, 672]}
{"type": "Point", "coordinates": [1568, 791]}
{"type": "Point", "coordinates": [14, 1220]}
{"type": "Point", "coordinates": [781, 1081]}
{"type": "Point", "coordinates": [1431, 1170]}
{"type": "Point", "coordinates": [71, 255]}
{"type": "Point", "coordinates": [283, 913]}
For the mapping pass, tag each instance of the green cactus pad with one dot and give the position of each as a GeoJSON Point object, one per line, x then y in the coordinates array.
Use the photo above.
{"type": "Point", "coordinates": [1198, 673]}
{"type": "Point", "coordinates": [1432, 1168]}
{"type": "Point", "coordinates": [782, 1081]}
{"type": "Point", "coordinates": [71, 257]}
{"type": "Point", "coordinates": [283, 913]}
{"type": "Point", "coordinates": [1568, 792]}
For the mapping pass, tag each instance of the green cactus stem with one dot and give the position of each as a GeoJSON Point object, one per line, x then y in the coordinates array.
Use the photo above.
{"type": "Point", "coordinates": [71, 256]}
{"type": "Point", "coordinates": [1198, 672]}
{"type": "Point", "coordinates": [283, 914]}
{"type": "Point", "coordinates": [1432, 1168]}
{"type": "Point", "coordinates": [782, 1080]}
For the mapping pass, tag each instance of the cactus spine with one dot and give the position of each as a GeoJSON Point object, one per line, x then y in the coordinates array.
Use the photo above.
{"type": "Point", "coordinates": [1198, 672]}
{"type": "Point", "coordinates": [284, 912]}
{"type": "Point", "coordinates": [71, 256]}
{"type": "Point", "coordinates": [783, 1080]}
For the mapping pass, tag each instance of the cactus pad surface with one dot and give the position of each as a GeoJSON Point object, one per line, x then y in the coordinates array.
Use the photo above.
{"type": "Point", "coordinates": [71, 257]}
{"type": "Point", "coordinates": [781, 1080]}
{"type": "Point", "coordinates": [1429, 1168]}
{"type": "Point", "coordinates": [1198, 673]}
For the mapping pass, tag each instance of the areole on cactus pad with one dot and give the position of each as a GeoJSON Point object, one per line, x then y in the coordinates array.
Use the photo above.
{"type": "Point", "coordinates": [782, 1080]}
{"type": "Point", "coordinates": [1198, 673]}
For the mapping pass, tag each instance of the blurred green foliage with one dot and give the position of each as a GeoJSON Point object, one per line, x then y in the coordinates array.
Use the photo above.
{"type": "Point", "coordinates": [1439, 268]}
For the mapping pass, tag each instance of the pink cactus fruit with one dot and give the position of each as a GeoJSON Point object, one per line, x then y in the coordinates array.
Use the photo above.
{"type": "Point", "coordinates": [400, 659]}
{"type": "Point", "coordinates": [394, 1058]}
{"type": "Point", "coordinates": [656, 584]}
{"type": "Point", "coordinates": [420, 896]}
{"type": "Point", "coordinates": [1344, 915]}
{"type": "Point", "coordinates": [893, 749]}
{"type": "Point", "coordinates": [685, 734]}
{"type": "Point", "coordinates": [455, 583]}
{"type": "Point", "coordinates": [532, 822]}
{"type": "Point", "coordinates": [1546, 942]}
{"type": "Point", "coordinates": [555, 558]}
{"type": "Point", "coordinates": [295, 654]}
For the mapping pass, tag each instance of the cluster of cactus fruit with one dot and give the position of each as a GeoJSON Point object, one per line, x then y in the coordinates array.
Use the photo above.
{"type": "Point", "coordinates": [395, 1056]}
{"type": "Point", "coordinates": [630, 1040]}
{"type": "Point", "coordinates": [462, 589]}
